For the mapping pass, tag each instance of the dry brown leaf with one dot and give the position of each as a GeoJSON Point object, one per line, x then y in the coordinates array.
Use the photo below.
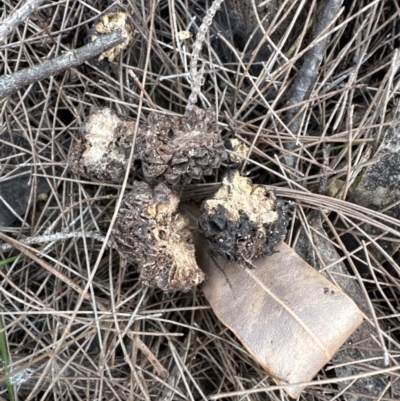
{"type": "Point", "coordinates": [286, 314]}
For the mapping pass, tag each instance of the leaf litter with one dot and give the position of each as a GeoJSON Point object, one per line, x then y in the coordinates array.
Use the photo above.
{"type": "Point", "coordinates": [250, 61]}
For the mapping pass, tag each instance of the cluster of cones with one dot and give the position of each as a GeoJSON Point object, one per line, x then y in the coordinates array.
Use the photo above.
{"type": "Point", "coordinates": [242, 221]}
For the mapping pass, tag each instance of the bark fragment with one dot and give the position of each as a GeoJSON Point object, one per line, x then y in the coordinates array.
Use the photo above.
{"type": "Point", "coordinates": [12, 83]}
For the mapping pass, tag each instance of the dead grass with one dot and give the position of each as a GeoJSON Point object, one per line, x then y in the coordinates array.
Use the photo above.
{"type": "Point", "coordinates": [87, 329]}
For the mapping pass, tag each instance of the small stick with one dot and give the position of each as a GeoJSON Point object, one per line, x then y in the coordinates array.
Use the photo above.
{"type": "Point", "coordinates": [325, 169]}
{"type": "Point", "coordinates": [196, 77]}
{"type": "Point", "coordinates": [159, 368]}
{"type": "Point", "coordinates": [11, 83]}
{"type": "Point", "coordinates": [56, 237]}
{"type": "Point", "coordinates": [139, 84]}
{"type": "Point", "coordinates": [372, 309]}
{"type": "Point", "coordinates": [304, 81]}
{"type": "Point", "coordinates": [222, 271]}
{"type": "Point", "coordinates": [17, 17]}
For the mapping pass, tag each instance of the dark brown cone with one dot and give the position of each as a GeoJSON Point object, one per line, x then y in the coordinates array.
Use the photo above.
{"type": "Point", "coordinates": [180, 149]}
{"type": "Point", "coordinates": [243, 221]}
{"type": "Point", "coordinates": [152, 234]}
{"type": "Point", "coordinates": [102, 152]}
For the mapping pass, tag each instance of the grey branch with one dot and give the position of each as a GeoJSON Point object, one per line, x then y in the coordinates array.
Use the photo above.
{"type": "Point", "coordinates": [56, 237]}
{"type": "Point", "coordinates": [305, 78]}
{"type": "Point", "coordinates": [11, 83]}
{"type": "Point", "coordinates": [17, 17]}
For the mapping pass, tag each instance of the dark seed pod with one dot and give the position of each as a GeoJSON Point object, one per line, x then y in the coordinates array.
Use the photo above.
{"type": "Point", "coordinates": [151, 233]}
{"type": "Point", "coordinates": [180, 149]}
{"type": "Point", "coordinates": [103, 150]}
{"type": "Point", "coordinates": [243, 221]}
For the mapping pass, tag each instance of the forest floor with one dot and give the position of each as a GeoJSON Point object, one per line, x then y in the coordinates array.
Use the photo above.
{"type": "Point", "coordinates": [311, 87]}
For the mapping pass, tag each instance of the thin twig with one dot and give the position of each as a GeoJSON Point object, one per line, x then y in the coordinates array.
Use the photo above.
{"type": "Point", "coordinates": [9, 24]}
{"type": "Point", "coordinates": [56, 237]}
{"type": "Point", "coordinates": [12, 83]}
{"type": "Point", "coordinates": [158, 367]}
{"type": "Point", "coordinates": [5, 359]}
{"type": "Point", "coordinates": [308, 73]}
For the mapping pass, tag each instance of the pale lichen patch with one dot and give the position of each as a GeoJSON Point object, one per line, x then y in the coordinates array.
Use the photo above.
{"type": "Point", "coordinates": [237, 150]}
{"type": "Point", "coordinates": [108, 23]}
{"type": "Point", "coordinates": [22, 376]}
{"type": "Point", "coordinates": [100, 128]}
{"type": "Point", "coordinates": [103, 148]}
{"type": "Point", "coordinates": [238, 195]}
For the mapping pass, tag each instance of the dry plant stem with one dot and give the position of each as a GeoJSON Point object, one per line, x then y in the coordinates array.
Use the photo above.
{"type": "Point", "coordinates": [56, 237]}
{"type": "Point", "coordinates": [324, 178]}
{"type": "Point", "coordinates": [309, 70]}
{"type": "Point", "coordinates": [4, 358]}
{"type": "Point", "coordinates": [196, 77]}
{"type": "Point", "coordinates": [158, 367]}
{"type": "Point", "coordinates": [373, 313]}
{"type": "Point", "coordinates": [11, 83]}
{"type": "Point", "coordinates": [10, 23]}
{"type": "Point", "coordinates": [176, 374]}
